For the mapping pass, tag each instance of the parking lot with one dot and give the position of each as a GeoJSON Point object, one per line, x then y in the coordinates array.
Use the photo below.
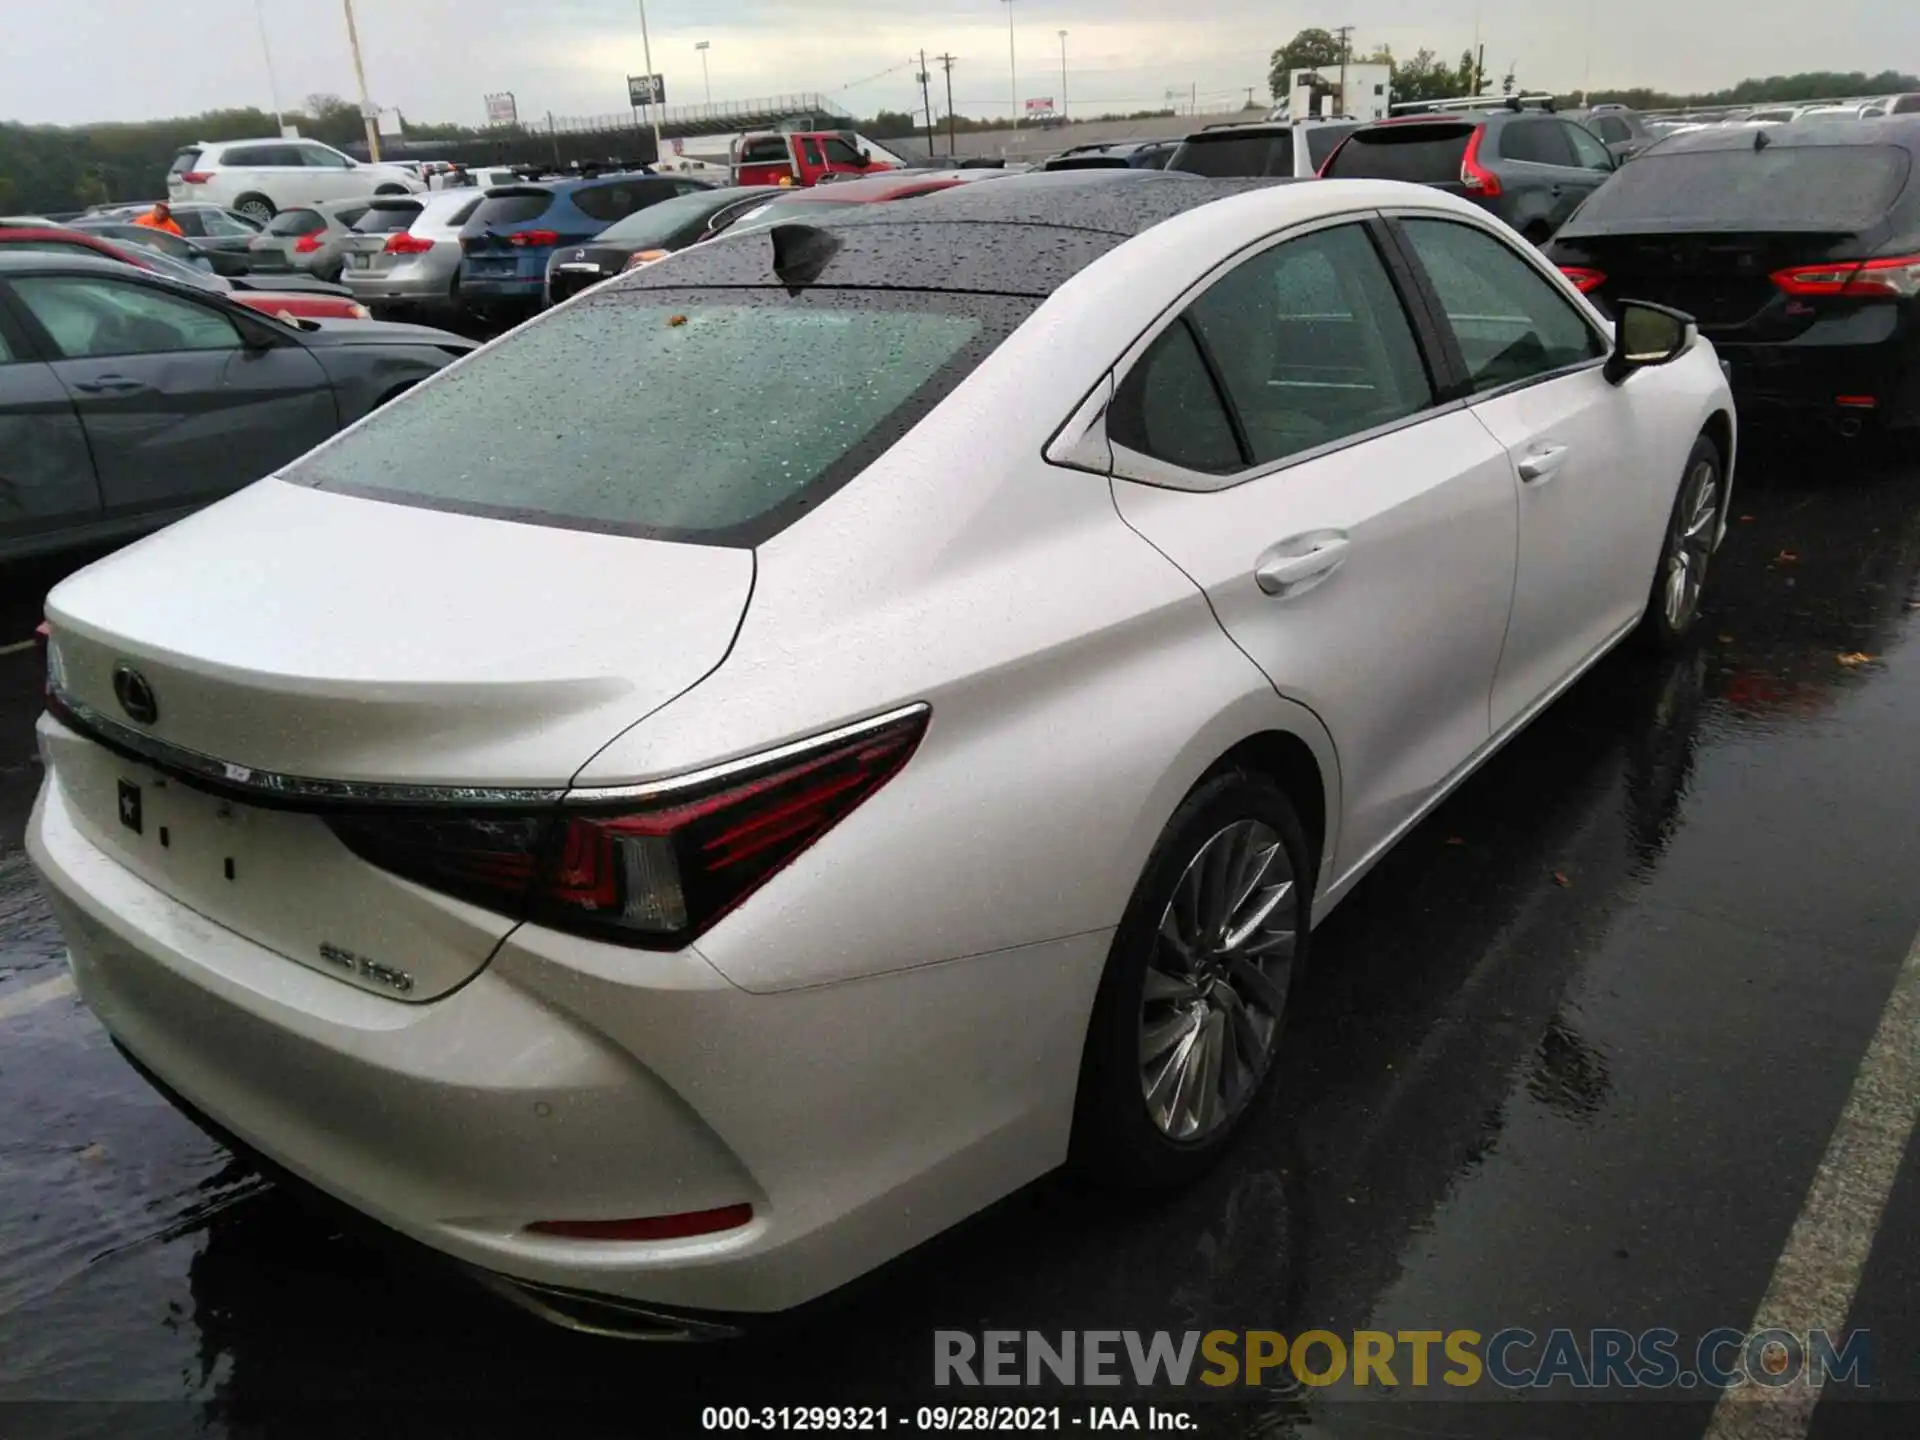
{"type": "Point", "coordinates": [1571, 1056]}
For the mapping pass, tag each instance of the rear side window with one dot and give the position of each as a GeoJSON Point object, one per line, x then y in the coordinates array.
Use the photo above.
{"type": "Point", "coordinates": [191, 222]}
{"type": "Point", "coordinates": [1611, 128]}
{"type": "Point", "coordinates": [713, 416]}
{"type": "Point", "coordinates": [1423, 154]}
{"type": "Point", "coordinates": [347, 219]}
{"type": "Point", "coordinates": [387, 220]}
{"type": "Point", "coordinates": [296, 222]}
{"type": "Point", "coordinates": [1230, 156]}
{"type": "Point", "coordinates": [1797, 187]}
{"type": "Point", "coordinates": [1168, 408]}
{"type": "Point", "coordinates": [512, 207]}
{"type": "Point", "coordinates": [839, 152]}
{"type": "Point", "coordinates": [1906, 105]}
{"type": "Point", "coordinates": [464, 213]}
{"type": "Point", "coordinates": [1536, 142]}
{"type": "Point", "coordinates": [184, 162]}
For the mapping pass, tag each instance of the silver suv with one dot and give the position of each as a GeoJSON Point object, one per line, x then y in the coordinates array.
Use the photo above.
{"type": "Point", "coordinates": [260, 178]}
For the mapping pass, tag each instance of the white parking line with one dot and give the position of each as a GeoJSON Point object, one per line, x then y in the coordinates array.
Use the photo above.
{"type": "Point", "coordinates": [1818, 1274]}
{"type": "Point", "coordinates": [17, 647]}
{"type": "Point", "coordinates": [34, 996]}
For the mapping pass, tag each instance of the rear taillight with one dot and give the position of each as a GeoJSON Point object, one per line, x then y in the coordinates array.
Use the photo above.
{"type": "Point", "coordinates": [194, 177]}
{"type": "Point", "coordinates": [403, 242]}
{"type": "Point", "coordinates": [307, 244]}
{"type": "Point", "coordinates": [657, 871]}
{"type": "Point", "coordinates": [534, 237]}
{"type": "Point", "coordinates": [1896, 278]}
{"type": "Point", "coordinates": [1476, 177]}
{"type": "Point", "coordinates": [1584, 280]}
{"type": "Point", "coordinates": [643, 257]}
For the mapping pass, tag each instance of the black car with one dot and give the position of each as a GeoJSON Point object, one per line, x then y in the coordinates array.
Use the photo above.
{"type": "Point", "coordinates": [1532, 168]}
{"type": "Point", "coordinates": [658, 230]}
{"type": "Point", "coordinates": [1797, 249]}
{"type": "Point", "coordinates": [1115, 155]}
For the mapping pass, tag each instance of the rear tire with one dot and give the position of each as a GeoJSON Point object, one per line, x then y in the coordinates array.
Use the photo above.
{"type": "Point", "coordinates": [257, 208]}
{"type": "Point", "coordinates": [1692, 535]}
{"type": "Point", "coordinates": [1193, 1004]}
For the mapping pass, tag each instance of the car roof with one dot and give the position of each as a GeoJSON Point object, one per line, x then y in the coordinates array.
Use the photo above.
{"type": "Point", "coordinates": [1901, 130]}
{"type": "Point", "coordinates": [13, 261]}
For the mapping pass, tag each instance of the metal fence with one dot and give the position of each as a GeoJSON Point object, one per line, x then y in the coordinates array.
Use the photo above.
{"type": "Point", "coordinates": [720, 116]}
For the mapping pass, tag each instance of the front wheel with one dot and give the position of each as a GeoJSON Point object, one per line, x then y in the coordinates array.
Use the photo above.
{"type": "Point", "coordinates": [1190, 1011]}
{"type": "Point", "coordinates": [1693, 534]}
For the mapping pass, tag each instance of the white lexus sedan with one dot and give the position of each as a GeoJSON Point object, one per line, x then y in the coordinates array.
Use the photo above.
{"type": "Point", "coordinates": [874, 717]}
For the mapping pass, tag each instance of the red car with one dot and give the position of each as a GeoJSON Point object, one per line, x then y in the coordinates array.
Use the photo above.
{"type": "Point", "coordinates": [269, 302]}
{"type": "Point", "coordinates": [800, 158]}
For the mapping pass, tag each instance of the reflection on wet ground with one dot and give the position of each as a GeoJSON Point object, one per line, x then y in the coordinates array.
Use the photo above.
{"type": "Point", "coordinates": [1569, 1057]}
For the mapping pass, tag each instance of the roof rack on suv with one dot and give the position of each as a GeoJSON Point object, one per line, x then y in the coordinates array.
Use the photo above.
{"type": "Point", "coordinates": [1471, 103]}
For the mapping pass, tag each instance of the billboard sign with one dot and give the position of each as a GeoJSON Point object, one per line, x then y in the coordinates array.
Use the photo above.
{"type": "Point", "coordinates": [501, 109]}
{"type": "Point", "coordinates": [1038, 109]}
{"type": "Point", "coordinates": [646, 90]}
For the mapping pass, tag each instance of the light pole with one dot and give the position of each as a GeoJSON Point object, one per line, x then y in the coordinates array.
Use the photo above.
{"type": "Point", "coordinates": [1013, 69]}
{"type": "Point", "coordinates": [367, 111]}
{"type": "Point", "coordinates": [653, 100]}
{"type": "Point", "coordinates": [1063, 74]}
{"type": "Point", "coordinates": [705, 79]}
{"type": "Point", "coordinates": [273, 84]}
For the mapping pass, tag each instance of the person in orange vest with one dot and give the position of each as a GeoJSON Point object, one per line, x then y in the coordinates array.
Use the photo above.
{"type": "Point", "coordinates": [160, 218]}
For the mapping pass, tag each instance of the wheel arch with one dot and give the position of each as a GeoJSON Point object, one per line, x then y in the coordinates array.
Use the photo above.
{"type": "Point", "coordinates": [1290, 762]}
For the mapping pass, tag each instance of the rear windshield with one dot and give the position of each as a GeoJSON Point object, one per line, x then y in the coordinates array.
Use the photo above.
{"type": "Point", "coordinates": [296, 222]}
{"type": "Point", "coordinates": [1423, 154]}
{"type": "Point", "coordinates": [1801, 187]}
{"type": "Point", "coordinates": [184, 161]}
{"type": "Point", "coordinates": [1229, 156]}
{"type": "Point", "coordinates": [387, 220]}
{"type": "Point", "coordinates": [512, 206]}
{"type": "Point", "coordinates": [713, 416]}
{"type": "Point", "coordinates": [810, 212]}
{"type": "Point", "coordinates": [659, 223]}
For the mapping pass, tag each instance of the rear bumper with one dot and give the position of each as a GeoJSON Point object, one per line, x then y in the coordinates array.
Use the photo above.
{"type": "Point", "coordinates": [400, 286]}
{"type": "Point", "coordinates": [570, 1080]}
{"type": "Point", "coordinates": [1823, 377]}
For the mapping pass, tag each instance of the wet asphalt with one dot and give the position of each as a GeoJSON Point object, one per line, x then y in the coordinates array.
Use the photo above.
{"type": "Point", "coordinates": [1569, 1057]}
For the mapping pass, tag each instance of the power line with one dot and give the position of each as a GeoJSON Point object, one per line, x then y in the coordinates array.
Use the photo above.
{"type": "Point", "coordinates": [881, 75]}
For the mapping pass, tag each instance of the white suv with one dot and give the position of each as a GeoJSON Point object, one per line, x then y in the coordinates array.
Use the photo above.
{"type": "Point", "coordinates": [261, 177]}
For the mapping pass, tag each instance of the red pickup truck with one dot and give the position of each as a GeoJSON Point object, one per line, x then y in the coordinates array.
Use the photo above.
{"type": "Point", "coordinates": [801, 158]}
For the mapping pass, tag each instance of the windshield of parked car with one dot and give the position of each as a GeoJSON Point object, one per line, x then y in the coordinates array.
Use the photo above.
{"type": "Point", "coordinates": [1422, 154]}
{"type": "Point", "coordinates": [657, 224]}
{"type": "Point", "coordinates": [1227, 155]}
{"type": "Point", "coordinates": [1780, 187]}
{"type": "Point", "coordinates": [694, 415]}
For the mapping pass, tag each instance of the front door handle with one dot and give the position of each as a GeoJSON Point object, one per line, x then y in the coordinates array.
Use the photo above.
{"type": "Point", "coordinates": [1295, 566]}
{"type": "Point", "coordinates": [105, 384]}
{"type": "Point", "coordinates": [1543, 464]}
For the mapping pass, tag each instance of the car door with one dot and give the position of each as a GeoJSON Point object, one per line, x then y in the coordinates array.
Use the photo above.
{"type": "Point", "coordinates": [1284, 442]}
{"type": "Point", "coordinates": [47, 481]}
{"type": "Point", "coordinates": [178, 407]}
{"type": "Point", "coordinates": [1589, 513]}
{"type": "Point", "coordinates": [329, 174]}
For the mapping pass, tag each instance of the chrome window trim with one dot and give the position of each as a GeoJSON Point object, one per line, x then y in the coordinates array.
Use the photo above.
{"type": "Point", "coordinates": [278, 790]}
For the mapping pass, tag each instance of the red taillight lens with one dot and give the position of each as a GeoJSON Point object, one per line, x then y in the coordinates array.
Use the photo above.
{"type": "Point", "coordinates": [652, 1227]}
{"type": "Point", "coordinates": [307, 244]}
{"type": "Point", "coordinates": [404, 243]}
{"type": "Point", "coordinates": [195, 177]}
{"type": "Point", "coordinates": [1584, 280]}
{"type": "Point", "coordinates": [652, 872]}
{"type": "Point", "coordinates": [1476, 177]}
{"type": "Point", "coordinates": [534, 237]}
{"type": "Point", "coordinates": [1896, 278]}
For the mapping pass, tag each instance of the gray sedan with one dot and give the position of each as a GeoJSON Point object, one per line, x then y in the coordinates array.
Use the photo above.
{"type": "Point", "coordinates": [128, 401]}
{"type": "Point", "coordinates": [308, 239]}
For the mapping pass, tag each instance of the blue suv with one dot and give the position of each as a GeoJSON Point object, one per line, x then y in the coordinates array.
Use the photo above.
{"type": "Point", "coordinates": [506, 243]}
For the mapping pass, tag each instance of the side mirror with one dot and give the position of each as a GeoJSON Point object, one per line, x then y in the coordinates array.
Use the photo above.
{"type": "Point", "coordinates": [1646, 335]}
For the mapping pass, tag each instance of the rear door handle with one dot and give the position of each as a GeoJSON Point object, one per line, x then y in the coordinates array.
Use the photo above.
{"type": "Point", "coordinates": [1295, 566]}
{"type": "Point", "coordinates": [1543, 464]}
{"type": "Point", "coordinates": [106, 384]}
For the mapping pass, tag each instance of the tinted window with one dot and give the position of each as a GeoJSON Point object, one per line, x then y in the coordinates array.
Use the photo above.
{"type": "Point", "coordinates": [296, 222]}
{"type": "Point", "coordinates": [219, 222]}
{"type": "Point", "coordinates": [1794, 187]}
{"type": "Point", "coordinates": [1312, 344]}
{"type": "Point", "coordinates": [659, 223]}
{"type": "Point", "coordinates": [810, 152]}
{"type": "Point", "coordinates": [1906, 105]}
{"type": "Point", "coordinates": [1169, 408]}
{"type": "Point", "coordinates": [604, 415]}
{"type": "Point", "coordinates": [1611, 128]}
{"type": "Point", "coordinates": [1588, 152]}
{"type": "Point", "coordinates": [183, 162]}
{"type": "Point", "coordinates": [347, 218]}
{"type": "Point", "coordinates": [316, 158]}
{"type": "Point", "coordinates": [839, 152]}
{"type": "Point", "coordinates": [1227, 155]}
{"type": "Point", "coordinates": [387, 220]}
{"type": "Point", "coordinates": [93, 316]}
{"type": "Point", "coordinates": [617, 201]}
{"type": "Point", "coordinates": [1536, 142]}
{"type": "Point", "coordinates": [1510, 321]}
{"type": "Point", "coordinates": [767, 149]}
{"type": "Point", "coordinates": [191, 222]}
{"type": "Point", "coordinates": [1323, 140]}
{"type": "Point", "coordinates": [463, 214]}
{"type": "Point", "coordinates": [1423, 154]}
{"type": "Point", "coordinates": [512, 207]}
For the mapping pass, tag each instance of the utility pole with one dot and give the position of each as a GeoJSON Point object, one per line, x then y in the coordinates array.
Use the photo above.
{"type": "Point", "coordinates": [273, 84]}
{"type": "Point", "coordinates": [367, 112]}
{"type": "Point", "coordinates": [1013, 68]}
{"type": "Point", "coordinates": [1345, 32]}
{"type": "Point", "coordinates": [1063, 74]}
{"type": "Point", "coordinates": [946, 63]}
{"type": "Point", "coordinates": [1479, 72]}
{"type": "Point", "coordinates": [926, 102]}
{"type": "Point", "coordinates": [705, 79]}
{"type": "Point", "coordinates": [653, 100]}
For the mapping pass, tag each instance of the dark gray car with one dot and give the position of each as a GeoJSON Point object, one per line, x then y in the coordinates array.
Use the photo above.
{"type": "Point", "coordinates": [127, 401]}
{"type": "Point", "coordinates": [1532, 168]}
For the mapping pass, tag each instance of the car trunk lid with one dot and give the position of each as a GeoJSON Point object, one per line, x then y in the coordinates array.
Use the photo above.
{"type": "Point", "coordinates": [1723, 280]}
{"type": "Point", "coordinates": [386, 655]}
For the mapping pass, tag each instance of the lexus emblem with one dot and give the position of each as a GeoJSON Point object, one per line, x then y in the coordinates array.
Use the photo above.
{"type": "Point", "coordinates": [135, 695]}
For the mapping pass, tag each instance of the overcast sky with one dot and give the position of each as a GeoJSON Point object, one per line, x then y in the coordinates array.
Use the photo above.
{"type": "Point", "coordinates": [435, 59]}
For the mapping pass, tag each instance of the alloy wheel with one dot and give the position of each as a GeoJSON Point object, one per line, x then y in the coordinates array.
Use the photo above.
{"type": "Point", "coordinates": [1691, 545]}
{"type": "Point", "coordinates": [256, 211]}
{"type": "Point", "coordinates": [1216, 984]}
